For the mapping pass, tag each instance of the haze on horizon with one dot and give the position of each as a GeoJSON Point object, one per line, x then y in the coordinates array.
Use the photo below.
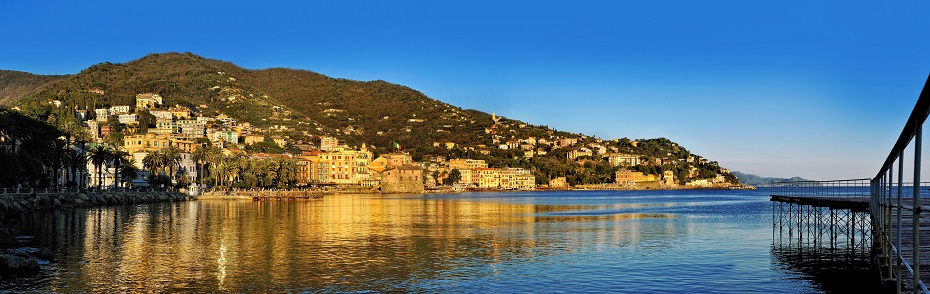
{"type": "Point", "coordinates": [818, 89]}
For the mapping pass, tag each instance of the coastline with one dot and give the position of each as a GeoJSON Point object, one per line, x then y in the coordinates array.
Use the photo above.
{"type": "Point", "coordinates": [15, 204]}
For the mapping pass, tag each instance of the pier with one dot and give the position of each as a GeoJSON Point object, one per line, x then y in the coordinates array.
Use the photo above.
{"type": "Point", "coordinates": [887, 210]}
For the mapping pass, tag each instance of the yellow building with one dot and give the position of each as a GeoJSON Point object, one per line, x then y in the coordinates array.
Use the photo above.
{"type": "Point", "coordinates": [669, 178]}
{"type": "Point", "coordinates": [347, 166]}
{"type": "Point", "coordinates": [148, 100]}
{"type": "Point", "coordinates": [624, 176]}
{"type": "Point", "coordinates": [180, 112]}
{"type": "Point", "coordinates": [461, 164]}
{"type": "Point", "coordinates": [620, 159]}
{"type": "Point", "coordinates": [152, 142]}
{"type": "Point", "coordinates": [559, 182]}
{"type": "Point", "coordinates": [252, 139]}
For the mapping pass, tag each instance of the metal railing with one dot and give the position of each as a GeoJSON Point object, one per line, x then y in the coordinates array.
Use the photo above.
{"type": "Point", "coordinates": [895, 212]}
{"type": "Point", "coordinates": [828, 189]}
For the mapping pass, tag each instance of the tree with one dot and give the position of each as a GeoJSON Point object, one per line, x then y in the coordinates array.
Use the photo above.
{"type": "Point", "coordinates": [98, 156]}
{"type": "Point", "coordinates": [118, 158]}
{"type": "Point", "coordinates": [172, 160]}
{"type": "Point", "coordinates": [454, 177]}
{"type": "Point", "coordinates": [146, 121]}
{"type": "Point", "coordinates": [129, 172]}
{"type": "Point", "coordinates": [201, 156]}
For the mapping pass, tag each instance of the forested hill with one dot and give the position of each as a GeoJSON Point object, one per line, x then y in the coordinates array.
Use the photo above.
{"type": "Point", "coordinates": [301, 105]}
{"type": "Point", "coordinates": [15, 84]}
{"type": "Point", "coordinates": [374, 112]}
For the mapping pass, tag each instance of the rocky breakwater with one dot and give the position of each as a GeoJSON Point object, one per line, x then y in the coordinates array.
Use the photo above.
{"type": "Point", "coordinates": [19, 258]}
{"type": "Point", "coordinates": [16, 204]}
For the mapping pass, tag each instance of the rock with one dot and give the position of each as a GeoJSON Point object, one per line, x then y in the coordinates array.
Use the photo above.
{"type": "Point", "coordinates": [56, 203]}
{"type": "Point", "coordinates": [15, 264]}
{"type": "Point", "coordinates": [83, 197]}
{"type": "Point", "coordinates": [7, 240]}
{"type": "Point", "coordinates": [43, 201]}
{"type": "Point", "coordinates": [44, 253]}
{"type": "Point", "coordinates": [16, 208]}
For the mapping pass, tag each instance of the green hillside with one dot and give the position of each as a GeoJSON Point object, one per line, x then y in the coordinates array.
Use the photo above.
{"type": "Point", "coordinates": [301, 105]}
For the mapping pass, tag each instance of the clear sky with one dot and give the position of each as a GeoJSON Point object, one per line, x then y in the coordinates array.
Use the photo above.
{"type": "Point", "coordinates": [818, 89]}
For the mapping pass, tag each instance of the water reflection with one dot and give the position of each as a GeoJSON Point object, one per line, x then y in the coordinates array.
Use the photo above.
{"type": "Point", "coordinates": [349, 243]}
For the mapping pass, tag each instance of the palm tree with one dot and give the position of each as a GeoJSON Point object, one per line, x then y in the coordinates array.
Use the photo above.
{"type": "Point", "coordinates": [99, 156]}
{"type": "Point", "coordinates": [205, 155]}
{"type": "Point", "coordinates": [119, 158]}
{"type": "Point", "coordinates": [215, 157]}
{"type": "Point", "coordinates": [172, 159]}
{"type": "Point", "coordinates": [200, 157]}
{"type": "Point", "coordinates": [76, 161]}
{"type": "Point", "coordinates": [57, 159]}
{"type": "Point", "coordinates": [129, 171]}
{"type": "Point", "coordinates": [153, 162]}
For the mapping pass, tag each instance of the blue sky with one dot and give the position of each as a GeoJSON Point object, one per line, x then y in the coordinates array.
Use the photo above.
{"type": "Point", "coordinates": [818, 89]}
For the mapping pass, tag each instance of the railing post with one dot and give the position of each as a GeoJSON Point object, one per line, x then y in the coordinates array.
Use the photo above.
{"type": "Point", "coordinates": [898, 256]}
{"type": "Point", "coordinates": [890, 234]}
{"type": "Point", "coordinates": [916, 204]}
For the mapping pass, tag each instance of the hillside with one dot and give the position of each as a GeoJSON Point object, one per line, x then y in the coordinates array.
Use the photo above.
{"type": "Point", "coordinates": [15, 84]}
{"type": "Point", "coordinates": [754, 180]}
{"type": "Point", "coordinates": [301, 105]}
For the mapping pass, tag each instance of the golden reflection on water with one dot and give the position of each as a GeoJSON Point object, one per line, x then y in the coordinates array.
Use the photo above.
{"type": "Point", "coordinates": [339, 243]}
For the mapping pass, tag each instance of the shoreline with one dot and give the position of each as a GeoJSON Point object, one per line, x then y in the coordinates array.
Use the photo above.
{"type": "Point", "coordinates": [16, 204]}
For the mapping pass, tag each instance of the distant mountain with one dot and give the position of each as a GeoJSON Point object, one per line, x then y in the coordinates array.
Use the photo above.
{"type": "Point", "coordinates": [301, 105]}
{"type": "Point", "coordinates": [14, 84]}
{"type": "Point", "coordinates": [754, 180]}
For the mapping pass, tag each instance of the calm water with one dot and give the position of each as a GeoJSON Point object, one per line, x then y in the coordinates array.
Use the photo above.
{"type": "Point", "coordinates": [626, 241]}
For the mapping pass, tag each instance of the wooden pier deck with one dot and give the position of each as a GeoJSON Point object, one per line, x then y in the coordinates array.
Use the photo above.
{"type": "Point", "coordinates": [907, 238]}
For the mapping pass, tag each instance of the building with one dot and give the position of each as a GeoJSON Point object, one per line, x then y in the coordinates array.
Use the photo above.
{"type": "Point", "coordinates": [192, 128]}
{"type": "Point", "coordinates": [669, 178]}
{"type": "Point", "coordinates": [119, 109]}
{"type": "Point", "coordinates": [93, 129]}
{"type": "Point", "coordinates": [252, 139]}
{"type": "Point", "coordinates": [461, 164]}
{"type": "Point", "coordinates": [516, 179]}
{"type": "Point", "coordinates": [565, 142]}
{"type": "Point", "coordinates": [128, 118]}
{"type": "Point", "coordinates": [279, 141]}
{"type": "Point", "coordinates": [347, 166]}
{"type": "Point", "coordinates": [620, 159]}
{"type": "Point", "coordinates": [180, 112]}
{"type": "Point", "coordinates": [402, 179]}
{"type": "Point", "coordinates": [105, 131]}
{"type": "Point", "coordinates": [165, 126]}
{"type": "Point", "coordinates": [102, 114]}
{"type": "Point", "coordinates": [152, 142]}
{"type": "Point", "coordinates": [559, 182]}
{"type": "Point", "coordinates": [398, 159]}
{"type": "Point", "coordinates": [327, 143]}
{"type": "Point", "coordinates": [228, 136]}
{"type": "Point", "coordinates": [161, 114]}
{"type": "Point", "coordinates": [575, 153]}
{"type": "Point", "coordinates": [625, 176]}
{"type": "Point", "coordinates": [148, 101]}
